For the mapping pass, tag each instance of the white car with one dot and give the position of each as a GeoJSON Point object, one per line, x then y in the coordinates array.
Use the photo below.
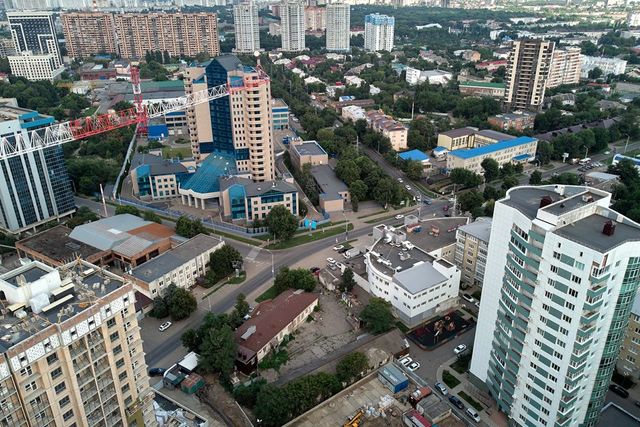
{"type": "Point", "coordinates": [413, 366]}
{"type": "Point", "coordinates": [164, 326]}
{"type": "Point", "coordinates": [399, 216]}
{"type": "Point", "coordinates": [477, 304]}
{"type": "Point", "coordinates": [473, 414]}
{"type": "Point", "coordinates": [469, 298]}
{"type": "Point", "coordinates": [338, 248]}
{"type": "Point", "coordinates": [340, 265]}
{"type": "Point", "coordinates": [460, 349]}
{"type": "Point", "coordinates": [400, 180]}
{"type": "Point", "coordinates": [331, 261]}
{"type": "Point", "coordinates": [407, 187]}
{"type": "Point", "coordinates": [406, 361]}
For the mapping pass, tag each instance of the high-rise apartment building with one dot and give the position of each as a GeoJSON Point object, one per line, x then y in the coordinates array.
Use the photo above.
{"type": "Point", "coordinates": [338, 26]}
{"type": "Point", "coordinates": [34, 187]}
{"type": "Point", "coordinates": [35, 32]}
{"type": "Point", "coordinates": [565, 67]}
{"type": "Point", "coordinates": [237, 127]}
{"type": "Point", "coordinates": [561, 275]}
{"type": "Point", "coordinates": [89, 33]}
{"type": "Point", "coordinates": [629, 359]}
{"type": "Point", "coordinates": [316, 18]}
{"type": "Point", "coordinates": [180, 34]}
{"type": "Point", "coordinates": [71, 350]}
{"type": "Point", "coordinates": [526, 74]}
{"type": "Point", "coordinates": [245, 21]}
{"type": "Point", "coordinates": [378, 32]}
{"type": "Point", "coordinates": [292, 26]}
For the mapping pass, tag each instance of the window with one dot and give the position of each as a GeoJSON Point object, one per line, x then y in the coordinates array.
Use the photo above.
{"type": "Point", "coordinates": [52, 358]}
{"type": "Point", "coordinates": [26, 371]}
{"type": "Point", "coordinates": [573, 293]}
{"type": "Point", "coordinates": [569, 305]}
{"type": "Point", "coordinates": [56, 373]}
{"type": "Point", "coordinates": [563, 331]}
{"type": "Point", "coordinates": [566, 318]}
{"type": "Point", "coordinates": [576, 279]}
{"type": "Point", "coordinates": [60, 388]}
{"type": "Point", "coordinates": [114, 336]}
{"type": "Point", "coordinates": [31, 386]}
{"type": "Point", "coordinates": [111, 323]}
{"type": "Point", "coordinates": [64, 402]}
{"type": "Point", "coordinates": [555, 367]}
{"type": "Point", "coordinates": [554, 269]}
{"type": "Point", "coordinates": [68, 415]}
{"type": "Point", "coordinates": [556, 255]}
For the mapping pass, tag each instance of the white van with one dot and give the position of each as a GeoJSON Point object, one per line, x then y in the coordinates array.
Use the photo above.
{"type": "Point", "coordinates": [473, 414]}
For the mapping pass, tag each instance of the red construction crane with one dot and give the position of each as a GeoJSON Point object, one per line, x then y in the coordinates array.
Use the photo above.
{"type": "Point", "coordinates": [141, 113]}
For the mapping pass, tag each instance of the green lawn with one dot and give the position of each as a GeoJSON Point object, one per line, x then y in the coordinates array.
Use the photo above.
{"type": "Point", "coordinates": [268, 237]}
{"type": "Point", "coordinates": [268, 294]}
{"type": "Point", "coordinates": [274, 360]}
{"type": "Point", "coordinates": [462, 364]}
{"type": "Point", "coordinates": [170, 153]}
{"type": "Point", "coordinates": [470, 400]}
{"type": "Point", "coordinates": [403, 328]}
{"type": "Point", "coordinates": [237, 280]}
{"type": "Point", "coordinates": [449, 379]}
{"type": "Point", "coordinates": [477, 295]}
{"type": "Point", "coordinates": [384, 218]}
{"type": "Point", "coordinates": [426, 190]}
{"type": "Point", "coordinates": [301, 239]}
{"type": "Point", "coordinates": [372, 214]}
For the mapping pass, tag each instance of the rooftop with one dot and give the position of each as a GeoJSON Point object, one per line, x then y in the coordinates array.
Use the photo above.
{"type": "Point", "coordinates": [67, 291]}
{"type": "Point", "coordinates": [309, 148]}
{"type": "Point", "coordinates": [278, 103]}
{"type": "Point", "coordinates": [108, 232]}
{"type": "Point", "coordinates": [491, 148]}
{"type": "Point", "coordinates": [515, 115]}
{"type": "Point", "coordinates": [527, 199]}
{"type": "Point", "coordinates": [613, 415]}
{"type": "Point", "coordinates": [457, 133]}
{"type": "Point", "coordinates": [174, 258]}
{"type": "Point", "coordinates": [56, 244]}
{"type": "Point", "coordinates": [253, 189]}
{"type": "Point", "coordinates": [270, 318]}
{"type": "Point", "coordinates": [205, 178]}
{"type": "Point", "coordinates": [588, 231]}
{"type": "Point", "coordinates": [419, 278]}
{"type": "Point", "coordinates": [327, 180]}
{"type": "Point", "coordinates": [413, 155]}
{"type": "Point", "coordinates": [480, 229]}
{"type": "Point", "coordinates": [495, 135]}
{"type": "Point", "coordinates": [483, 84]}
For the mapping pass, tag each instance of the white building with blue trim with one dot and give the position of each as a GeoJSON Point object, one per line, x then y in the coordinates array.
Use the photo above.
{"type": "Point", "coordinates": [517, 150]}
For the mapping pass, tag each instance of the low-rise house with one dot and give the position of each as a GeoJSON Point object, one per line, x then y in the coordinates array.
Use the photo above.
{"type": "Point", "coordinates": [353, 113]}
{"type": "Point", "coordinates": [270, 322]}
{"type": "Point", "coordinates": [307, 152]}
{"type": "Point", "coordinates": [514, 150]}
{"type": "Point", "coordinates": [156, 178]}
{"type": "Point", "coordinates": [470, 137]}
{"type": "Point", "coordinates": [434, 77]}
{"type": "Point", "coordinates": [493, 90]}
{"type": "Point", "coordinates": [180, 266]}
{"type": "Point", "coordinates": [491, 66]}
{"type": "Point", "coordinates": [333, 192]}
{"type": "Point", "coordinates": [390, 128]}
{"type": "Point", "coordinates": [518, 121]}
{"type": "Point", "coordinates": [354, 81]}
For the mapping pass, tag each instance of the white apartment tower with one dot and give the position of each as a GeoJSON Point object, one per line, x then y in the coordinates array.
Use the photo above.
{"type": "Point", "coordinates": [338, 26]}
{"type": "Point", "coordinates": [565, 67]}
{"type": "Point", "coordinates": [526, 75]}
{"type": "Point", "coordinates": [245, 21]}
{"type": "Point", "coordinates": [378, 32]}
{"type": "Point", "coordinates": [561, 275]}
{"type": "Point", "coordinates": [293, 25]}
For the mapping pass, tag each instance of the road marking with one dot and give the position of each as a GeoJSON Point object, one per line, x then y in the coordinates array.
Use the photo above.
{"type": "Point", "coordinates": [251, 256]}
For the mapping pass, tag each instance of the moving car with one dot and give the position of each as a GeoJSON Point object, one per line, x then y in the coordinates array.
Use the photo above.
{"type": "Point", "coordinates": [460, 349]}
{"type": "Point", "coordinates": [469, 298]}
{"type": "Point", "coordinates": [619, 390]}
{"type": "Point", "coordinates": [407, 187]}
{"type": "Point", "coordinates": [413, 366]}
{"type": "Point", "coordinates": [400, 180]}
{"type": "Point", "coordinates": [399, 216]}
{"type": "Point", "coordinates": [164, 326]}
{"type": "Point", "coordinates": [456, 402]}
{"type": "Point", "coordinates": [426, 201]}
{"type": "Point", "coordinates": [473, 414]}
{"type": "Point", "coordinates": [406, 361]}
{"type": "Point", "coordinates": [155, 372]}
{"type": "Point", "coordinates": [441, 388]}
{"type": "Point", "coordinates": [339, 247]}
{"type": "Point", "coordinates": [331, 261]}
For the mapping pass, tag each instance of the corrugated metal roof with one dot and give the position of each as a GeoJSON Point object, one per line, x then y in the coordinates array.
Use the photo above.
{"type": "Point", "coordinates": [413, 155]}
{"type": "Point", "coordinates": [491, 148]}
{"type": "Point", "coordinates": [106, 233]}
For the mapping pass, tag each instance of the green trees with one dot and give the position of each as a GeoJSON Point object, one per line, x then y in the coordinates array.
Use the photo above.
{"type": "Point", "coordinates": [465, 178]}
{"type": "Point", "coordinates": [281, 223]}
{"type": "Point", "coordinates": [509, 181]}
{"type": "Point", "coordinates": [491, 169]}
{"type": "Point", "coordinates": [126, 209]}
{"type": "Point", "coordinates": [595, 74]}
{"type": "Point", "coordinates": [469, 200]}
{"type": "Point", "coordinates": [189, 228]}
{"type": "Point", "coordinates": [240, 310]}
{"type": "Point", "coordinates": [535, 178]}
{"type": "Point", "coordinates": [218, 351]}
{"type": "Point", "coordinates": [347, 282]}
{"type": "Point", "coordinates": [176, 302]}
{"type": "Point", "coordinates": [387, 191]}
{"type": "Point", "coordinates": [377, 316]}
{"type": "Point", "coordinates": [352, 367]}
{"type": "Point", "coordinates": [627, 193]}
{"type": "Point", "coordinates": [413, 169]}
{"type": "Point", "coordinates": [83, 215]}
{"type": "Point", "coordinates": [223, 261]}
{"type": "Point", "coordinates": [151, 216]}
{"type": "Point", "coordinates": [297, 278]}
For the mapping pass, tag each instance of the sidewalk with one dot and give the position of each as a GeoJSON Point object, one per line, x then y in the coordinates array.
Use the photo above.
{"type": "Point", "coordinates": [489, 415]}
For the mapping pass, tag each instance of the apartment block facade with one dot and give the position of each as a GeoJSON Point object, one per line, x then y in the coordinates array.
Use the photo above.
{"type": "Point", "coordinates": [378, 32]}
{"type": "Point", "coordinates": [338, 27]}
{"type": "Point", "coordinates": [316, 18]}
{"type": "Point", "coordinates": [180, 34]}
{"type": "Point", "coordinates": [615, 66]}
{"type": "Point", "coordinates": [562, 274]}
{"type": "Point", "coordinates": [292, 26]}
{"type": "Point", "coordinates": [89, 33]}
{"type": "Point", "coordinates": [565, 67]}
{"type": "Point", "coordinates": [198, 116]}
{"type": "Point", "coordinates": [77, 360]}
{"type": "Point", "coordinates": [629, 359]}
{"type": "Point", "coordinates": [472, 242]}
{"type": "Point", "coordinates": [245, 22]}
{"type": "Point", "coordinates": [35, 67]}
{"type": "Point", "coordinates": [526, 74]}
{"type": "Point", "coordinates": [35, 32]}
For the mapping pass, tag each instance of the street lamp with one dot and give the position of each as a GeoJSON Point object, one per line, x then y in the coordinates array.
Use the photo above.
{"type": "Point", "coordinates": [346, 227]}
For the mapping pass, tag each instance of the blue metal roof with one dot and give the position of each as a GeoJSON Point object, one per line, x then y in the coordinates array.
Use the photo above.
{"type": "Point", "coordinates": [439, 149]}
{"type": "Point", "coordinates": [620, 157]}
{"type": "Point", "coordinates": [158, 131]}
{"type": "Point", "coordinates": [205, 179]}
{"type": "Point", "coordinates": [521, 157]}
{"type": "Point", "coordinates": [491, 148]}
{"type": "Point", "coordinates": [413, 155]}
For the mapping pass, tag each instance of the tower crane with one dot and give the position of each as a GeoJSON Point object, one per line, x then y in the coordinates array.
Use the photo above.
{"type": "Point", "coordinates": [60, 133]}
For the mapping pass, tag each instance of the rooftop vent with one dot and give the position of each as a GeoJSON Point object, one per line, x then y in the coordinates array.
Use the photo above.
{"type": "Point", "coordinates": [545, 201]}
{"type": "Point", "coordinates": [249, 332]}
{"type": "Point", "coordinates": [609, 228]}
{"type": "Point", "coordinates": [587, 198]}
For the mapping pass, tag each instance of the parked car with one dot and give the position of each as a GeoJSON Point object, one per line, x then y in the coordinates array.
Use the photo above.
{"type": "Point", "coordinates": [426, 201]}
{"type": "Point", "coordinates": [338, 247]}
{"type": "Point", "coordinates": [413, 366]}
{"type": "Point", "coordinates": [164, 326]}
{"type": "Point", "coordinates": [407, 187]}
{"type": "Point", "coordinates": [469, 298]}
{"type": "Point", "coordinates": [456, 402]}
{"type": "Point", "coordinates": [441, 388]}
{"type": "Point", "coordinates": [477, 304]}
{"type": "Point", "coordinates": [406, 361]}
{"type": "Point", "coordinates": [400, 180]}
{"type": "Point", "coordinates": [619, 390]}
{"type": "Point", "coordinates": [460, 349]}
{"type": "Point", "coordinates": [399, 216]}
{"type": "Point", "coordinates": [331, 261]}
{"type": "Point", "coordinates": [340, 265]}
{"type": "Point", "coordinates": [156, 372]}
{"type": "Point", "coordinates": [473, 414]}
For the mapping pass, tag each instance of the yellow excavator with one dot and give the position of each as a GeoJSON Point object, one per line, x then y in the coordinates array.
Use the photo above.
{"type": "Point", "coordinates": [354, 420]}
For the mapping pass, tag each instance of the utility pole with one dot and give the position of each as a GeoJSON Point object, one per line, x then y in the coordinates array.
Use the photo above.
{"type": "Point", "coordinates": [626, 144]}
